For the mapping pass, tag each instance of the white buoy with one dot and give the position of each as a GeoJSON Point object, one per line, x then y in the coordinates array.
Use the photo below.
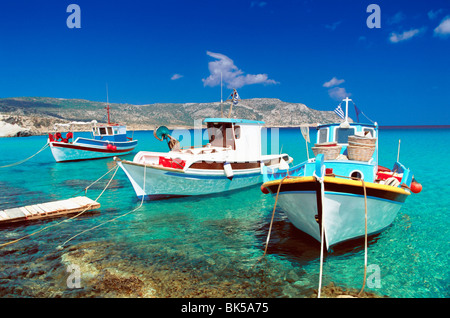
{"type": "Point", "coordinates": [228, 170]}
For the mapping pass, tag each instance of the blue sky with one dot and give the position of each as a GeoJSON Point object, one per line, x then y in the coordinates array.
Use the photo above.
{"type": "Point", "coordinates": [313, 52]}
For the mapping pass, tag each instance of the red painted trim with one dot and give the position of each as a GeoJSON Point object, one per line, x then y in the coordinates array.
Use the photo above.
{"type": "Point", "coordinates": [62, 145]}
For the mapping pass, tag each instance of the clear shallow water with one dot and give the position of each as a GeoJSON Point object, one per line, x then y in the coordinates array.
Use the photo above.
{"type": "Point", "coordinates": [210, 246]}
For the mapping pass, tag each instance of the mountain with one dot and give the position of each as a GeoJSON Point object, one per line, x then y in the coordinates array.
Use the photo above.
{"type": "Point", "coordinates": [39, 114]}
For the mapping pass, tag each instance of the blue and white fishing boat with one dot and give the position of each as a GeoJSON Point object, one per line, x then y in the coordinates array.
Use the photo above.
{"type": "Point", "coordinates": [230, 160]}
{"type": "Point", "coordinates": [108, 140]}
{"type": "Point", "coordinates": [342, 185]}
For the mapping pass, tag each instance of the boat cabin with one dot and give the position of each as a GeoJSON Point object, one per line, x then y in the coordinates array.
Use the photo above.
{"type": "Point", "coordinates": [241, 135]}
{"type": "Point", "coordinates": [112, 132]}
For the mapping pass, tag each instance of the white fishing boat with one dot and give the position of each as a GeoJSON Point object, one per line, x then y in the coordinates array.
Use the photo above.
{"type": "Point", "coordinates": [108, 140]}
{"type": "Point", "coordinates": [342, 190]}
{"type": "Point", "coordinates": [231, 160]}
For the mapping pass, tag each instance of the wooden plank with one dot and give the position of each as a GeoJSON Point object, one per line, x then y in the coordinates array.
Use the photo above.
{"type": "Point", "coordinates": [15, 213]}
{"type": "Point", "coordinates": [32, 210]}
{"type": "Point", "coordinates": [25, 211]}
{"type": "Point", "coordinates": [48, 209]}
{"type": "Point", "coordinates": [3, 215]}
{"type": "Point", "coordinates": [51, 208]}
{"type": "Point", "coordinates": [68, 205]}
{"type": "Point", "coordinates": [44, 207]}
{"type": "Point", "coordinates": [38, 209]}
{"type": "Point", "coordinates": [83, 201]}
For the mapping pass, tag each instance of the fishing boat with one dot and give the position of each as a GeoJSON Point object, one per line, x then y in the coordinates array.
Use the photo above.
{"type": "Point", "coordinates": [230, 160]}
{"type": "Point", "coordinates": [342, 190]}
{"type": "Point", "coordinates": [108, 140]}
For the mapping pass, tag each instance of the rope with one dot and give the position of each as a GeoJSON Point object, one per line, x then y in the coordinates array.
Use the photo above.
{"type": "Point", "coordinates": [271, 221]}
{"type": "Point", "coordinates": [101, 224]}
{"type": "Point", "coordinates": [322, 233]}
{"type": "Point", "coordinates": [365, 237]}
{"type": "Point", "coordinates": [73, 217]}
{"type": "Point", "coordinates": [22, 161]}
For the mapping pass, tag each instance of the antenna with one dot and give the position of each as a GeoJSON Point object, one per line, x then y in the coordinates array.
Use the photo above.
{"type": "Point", "coordinates": [221, 99]}
{"type": "Point", "coordinates": [107, 103]}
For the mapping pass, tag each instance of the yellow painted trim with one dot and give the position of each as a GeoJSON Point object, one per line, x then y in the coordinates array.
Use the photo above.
{"type": "Point", "coordinates": [337, 180]}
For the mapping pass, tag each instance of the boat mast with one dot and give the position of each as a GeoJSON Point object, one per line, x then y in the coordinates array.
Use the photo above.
{"type": "Point", "coordinates": [346, 108]}
{"type": "Point", "coordinates": [221, 99]}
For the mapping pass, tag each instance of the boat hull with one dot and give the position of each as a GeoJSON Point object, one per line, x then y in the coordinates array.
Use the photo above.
{"type": "Point", "coordinates": [63, 152]}
{"type": "Point", "coordinates": [342, 210]}
{"type": "Point", "coordinates": [156, 182]}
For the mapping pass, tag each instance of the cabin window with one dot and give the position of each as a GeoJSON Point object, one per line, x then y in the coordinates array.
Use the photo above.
{"type": "Point", "coordinates": [323, 135]}
{"type": "Point", "coordinates": [221, 135]}
{"type": "Point", "coordinates": [102, 130]}
{"type": "Point", "coordinates": [342, 135]}
{"type": "Point", "coordinates": [369, 130]}
{"type": "Point", "coordinates": [237, 132]}
{"type": "Point", "coordinates": [110, 131]}
{"type": "Point", "coordinates": [356, 174]}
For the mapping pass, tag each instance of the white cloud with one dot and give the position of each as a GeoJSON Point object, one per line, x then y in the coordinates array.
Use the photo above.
{"type": "Point", "coordinates": [443, 29]}
{"type": "Point", "coordinates": [433, 14]}
{"type": "Point", "coordinates": [333, 82]}
{"type": "Point", "coordinates": [232, 76]}
{"type": "Point", "coordinates": [176, 76]}
{"type": "Point", "coordinates": [398, 37]}
{"type": "Point", "coordinates": [338, 93]}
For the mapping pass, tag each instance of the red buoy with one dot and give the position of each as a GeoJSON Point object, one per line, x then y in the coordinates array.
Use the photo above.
{"type": "Point", "coordinates": [264, 189]}
{"type": "Point", "coordinates": [113, 148]}
{"type": "Point", "coordinates": [415, 187]}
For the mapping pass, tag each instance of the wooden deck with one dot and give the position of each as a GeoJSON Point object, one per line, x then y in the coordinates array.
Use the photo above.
{"type": "Point", "coordinates": [47, 210]}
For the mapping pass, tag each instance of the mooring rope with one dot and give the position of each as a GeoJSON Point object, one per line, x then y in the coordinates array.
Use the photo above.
{"type": "Point", "coordinates": [365, 237]}
{"type": "Point", "coordinates": [68, 219]}
{"type": "Point", "coordinates": [111, 220]}
{"type": "Point", "coordinates": [271, 221]}
{"type": "Point", "coordinates": [22, 161]}
{"type": "Point", "coordinates": [322, 232]}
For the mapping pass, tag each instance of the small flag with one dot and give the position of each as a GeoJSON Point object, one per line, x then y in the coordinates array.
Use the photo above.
{"type": "Point", "coordinates": [235, 97]}
{"type": "Point", "coordinates": [357, 111]}
{"type": "Point", "coordinates": [339, 111]}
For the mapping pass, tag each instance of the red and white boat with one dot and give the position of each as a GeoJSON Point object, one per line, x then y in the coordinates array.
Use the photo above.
{"type": "Point", "coordinates": [108, 140]}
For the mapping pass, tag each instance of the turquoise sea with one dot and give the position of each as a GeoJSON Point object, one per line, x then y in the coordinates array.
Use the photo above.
{"type": "Point", "coordinates": [210, 246]}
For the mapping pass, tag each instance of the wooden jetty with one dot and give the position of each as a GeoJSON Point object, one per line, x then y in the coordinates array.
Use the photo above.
{"type": "Point", "coordinates": [48, 210]}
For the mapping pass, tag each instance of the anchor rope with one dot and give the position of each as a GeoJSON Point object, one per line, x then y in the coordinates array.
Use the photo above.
{"type": "Point", "coordinates": [271, 221]}
{"type": "Point", "coordinates": [111, 220]}
{"type": "Point", "coordinates": [65, 220]}
{"type": "Point", "coordinates": [322, 233]}
{"type": "Point", "coordinates": [26, 159]}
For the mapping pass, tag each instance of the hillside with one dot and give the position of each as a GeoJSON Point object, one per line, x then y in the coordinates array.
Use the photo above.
{"type": "Point", "coordinates": [39, 114]}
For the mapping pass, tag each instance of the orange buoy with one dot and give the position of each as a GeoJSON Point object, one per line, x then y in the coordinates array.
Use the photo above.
{"type": "Point", "coordinates": [415, 187]}
{"type": "Point", "coordinates": [264, 189]}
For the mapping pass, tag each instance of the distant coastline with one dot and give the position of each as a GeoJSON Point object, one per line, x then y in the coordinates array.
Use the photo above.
{"type": "Point", "coordinates": [416, 127]}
